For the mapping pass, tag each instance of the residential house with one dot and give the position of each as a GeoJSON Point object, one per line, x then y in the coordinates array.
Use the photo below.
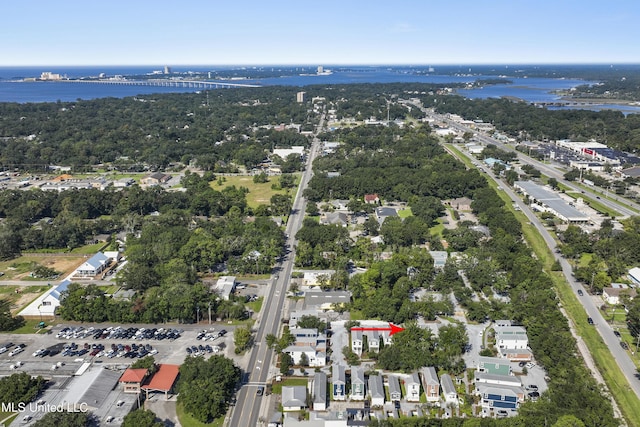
{"type": "Point", "coordinates": [516, 354]}
{"type": "Point", "coordinates": [319, 391]}
{"type": "Point", "coordinates": [615, 295]}
{"type": "Point", "coordinates": [431, 384]}
{"type": "Point", "coordinates": [412, 388]}
{"type": "Point", "coordinates": [448, 389]}
{"type": "Point", "coordinates": [512, 337]}
{"type": "Point", "coordinates": [334, 218]}
{"type": "Point", "coordinates": [376, 390]}
{"type": "Point", "coordinates": [395, 392]}
{"type": "Point", "coordinates": [357, 342]}
{"type": "Point", "coordinates": [498, 380]}
{"type": "Point", "coordinates": [439, 259]}
{"type": "Point", "coordinates": [494, 365]}
{"type": "Point", "coordinates": [311, 344]}
{"type": "Point", "coordinates": [383, 213]}
{"type": "Point", "coordinates": [371, 199]}
{"type": "Point", "coordinates": [461, 203]}
{"type": "Point", "coordinates": [499, 397]}
{"type": "Point", "coordinates": [338, 382]}
{"type": "Point", "coordinates": [93, 266]}
{"type": "Point", "coordinates": [357, 383]}
{"type": "Point", "coordinates": [155, 178]}
{"type": "Point", "coordinates": [294, 398]}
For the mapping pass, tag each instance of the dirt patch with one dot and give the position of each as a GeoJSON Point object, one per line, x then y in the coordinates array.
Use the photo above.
{"type": "Point", "coordinates": [63, 264]}
{"type": "Point", "coordinates": [23, 300]}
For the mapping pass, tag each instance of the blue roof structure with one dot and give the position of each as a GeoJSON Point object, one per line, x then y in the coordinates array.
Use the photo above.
{"type": "Point", "coordinates": [56, 293]}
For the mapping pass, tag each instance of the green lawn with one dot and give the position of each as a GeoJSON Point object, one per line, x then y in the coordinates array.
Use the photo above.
{"type": "Point", "coordinates": [277, 387]}
{"type": "Point", "coordinates": [256, 306]}
{"type": "Point", "coordinates": [259, 193]}
{"type": "Point", "coordinates": [30, 327]}
{"type": "Point", "coordinates": [405, 213]}
{"type": "Point", "coordinates": [437, 229]}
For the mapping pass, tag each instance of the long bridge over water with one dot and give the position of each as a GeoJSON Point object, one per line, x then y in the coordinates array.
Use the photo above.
{"type": "Point", "coordinates": [198, 84]}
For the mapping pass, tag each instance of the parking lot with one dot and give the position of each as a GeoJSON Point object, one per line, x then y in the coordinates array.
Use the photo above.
{"type": "Point", "coordinates": [64, 348]}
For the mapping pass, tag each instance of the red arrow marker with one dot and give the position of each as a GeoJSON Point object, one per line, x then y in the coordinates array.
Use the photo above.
{"type": "Point", "coordinates": [393, 329]}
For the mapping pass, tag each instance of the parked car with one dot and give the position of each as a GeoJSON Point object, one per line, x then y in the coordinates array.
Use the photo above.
{"type": "Point", "coordinates": [616, 333]}
{"type": "Point", "coordinates": [260, 390]}
{"type": "Point", "coordinates": [590, 320]}
{"type": "Point", "coordinates": [580, 293]}
{"type": "Point", "coordinates": [624, 345]}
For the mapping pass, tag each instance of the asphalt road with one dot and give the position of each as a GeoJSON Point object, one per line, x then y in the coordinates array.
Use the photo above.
{"type": "Point", "coordinates": [625, 207]}
{"type": "Point", "coordinates": [248, 409]}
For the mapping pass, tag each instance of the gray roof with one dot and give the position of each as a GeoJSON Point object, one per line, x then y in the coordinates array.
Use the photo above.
{"type": "Point", "coordinates": [430, 376]}
{"type": "Point", "coordinates": [447, 384]}
{"type": "Point", "coordinates": [394, 385]}
{"type": "Point", "coordinates": [338, 374]}
{"type": "Point", "coordinates": [376, 386]}
{"type": "Point", "coordinates": [485, 377]}
{"type": "Point", "coordinates": [384, 212]}
{"type": "Point", "coordinates": [551, 200]}
{"type": "Point", "coordinates": [294, 396]}
{"type": "Point", "coordinates": [357, 374]}
{"type": "Point", "coordinates": [320, 387]}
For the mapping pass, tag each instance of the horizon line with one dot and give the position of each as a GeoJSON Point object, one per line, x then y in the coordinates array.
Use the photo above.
{"type": "Point", "coordinates": [371, 64]}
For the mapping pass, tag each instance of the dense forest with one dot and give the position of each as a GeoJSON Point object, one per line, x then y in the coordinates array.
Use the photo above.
{"type": "Point", "coordinates": [211, 128]}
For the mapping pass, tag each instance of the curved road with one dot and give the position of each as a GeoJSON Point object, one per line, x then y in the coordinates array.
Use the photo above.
{"type": "Point", "coordinates": [247, 410]}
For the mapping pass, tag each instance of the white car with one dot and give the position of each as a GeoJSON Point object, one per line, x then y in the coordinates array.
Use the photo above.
{"type": "Point", "coordinates": [530, 365]}
{"type": "Point", "coordinates": [16, 351]}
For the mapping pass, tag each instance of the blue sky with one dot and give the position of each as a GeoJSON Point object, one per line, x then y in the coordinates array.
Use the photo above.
{"type": "Point", "coordinates": [211, 32]}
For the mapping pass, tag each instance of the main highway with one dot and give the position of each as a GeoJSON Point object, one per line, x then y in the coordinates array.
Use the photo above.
{"type": "Point", "coordinates": [590, 304]}
{"type": "Point", "coordinates": [625, 207]}
{"type": "Point", "coordinates": [248, 407]}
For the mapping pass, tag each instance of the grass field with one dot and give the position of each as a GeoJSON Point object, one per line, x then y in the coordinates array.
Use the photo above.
{"type": "Point", "coordinates": [259, 193]}
{"type": "Point", "coordinates": [405, 213]}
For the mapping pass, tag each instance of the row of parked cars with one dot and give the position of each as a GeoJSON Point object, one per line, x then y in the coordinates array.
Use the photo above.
{"type": "Point", "coordinates": [118, 332]}
{"type": "Point", "coordinates": [210, 335]}
{"type": "Point", "coordinates": [201, 350]}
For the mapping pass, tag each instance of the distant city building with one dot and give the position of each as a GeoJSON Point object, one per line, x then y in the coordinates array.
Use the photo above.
{"type": "Point", "coordinates": [300, 97]}
{"type": "Point", "coordinates": [48, 75]}
{"type": "Point", "coordinates": [167, 69]}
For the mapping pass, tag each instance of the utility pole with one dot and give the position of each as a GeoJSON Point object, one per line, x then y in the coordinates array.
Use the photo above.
{"type": "Point", "coordinates": [209, 312]}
